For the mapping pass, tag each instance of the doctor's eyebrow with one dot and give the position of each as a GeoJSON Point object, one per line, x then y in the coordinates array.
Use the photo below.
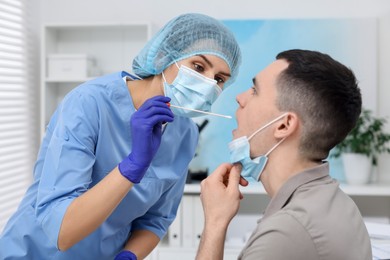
{"type": "Point", "coordinates": [211, 65]}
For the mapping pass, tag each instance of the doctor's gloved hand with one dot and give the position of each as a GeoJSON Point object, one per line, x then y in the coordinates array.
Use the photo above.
{"type": "Point", "coordinates": [146, 132]}
{"type": "Point", "coordinates": [126, 255]}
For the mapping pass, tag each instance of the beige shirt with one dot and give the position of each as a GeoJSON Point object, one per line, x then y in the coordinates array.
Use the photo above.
{"type": "Point", "coordinates": [310, 218]}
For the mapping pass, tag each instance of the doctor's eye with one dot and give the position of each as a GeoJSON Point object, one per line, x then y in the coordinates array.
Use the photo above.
{"type": "Point", "coordinates": [219, 79]}
{"type": "Point", "coordinates": [198, 67]}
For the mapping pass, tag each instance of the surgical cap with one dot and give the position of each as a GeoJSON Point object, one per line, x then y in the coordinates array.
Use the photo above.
{"type": "Point", "coordinates": [185, 36]}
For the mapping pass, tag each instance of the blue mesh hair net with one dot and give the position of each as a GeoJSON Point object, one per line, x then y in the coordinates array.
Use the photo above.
{"type": "Point", "coordinates": [185, 36]}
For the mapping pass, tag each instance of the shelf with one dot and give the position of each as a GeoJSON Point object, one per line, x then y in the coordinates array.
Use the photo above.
{"type": "Point", "coordinates": [109, 25]}
{"type": "Point", "coordinates": [166, 252]}
{"type": "Point", "coordinates": [366, 190]}
{"type": "Point", "coordinates": [111, 46]}
{"type": "Point", "coordinates": [252, 188]}
{"type": "Point", "coordinates": [52, 80]}
{"type": "Point", "coordinates": [352, 190]}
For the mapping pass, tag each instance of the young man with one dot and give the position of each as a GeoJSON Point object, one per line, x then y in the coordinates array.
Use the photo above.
{"type": "Point", "coordinates": [298, 109]}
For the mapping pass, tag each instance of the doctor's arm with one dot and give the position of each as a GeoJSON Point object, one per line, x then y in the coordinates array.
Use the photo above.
{"type": "Point", "coordinates": [139, 245]}
{"type": "Point", "coordinates": [88, 211]}
{"type": "Point", "coordinates": [153, 225]}
{"type": "Point", "coordinates": [220, 197]}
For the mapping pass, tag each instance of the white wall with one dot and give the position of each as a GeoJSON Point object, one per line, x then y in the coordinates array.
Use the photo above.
{"type": "Point", "coordinates": [34, 22]}
{"type": "Point", "coordinates": [384, 84]}
{"type": "Point", "coordinates": [159, 12]}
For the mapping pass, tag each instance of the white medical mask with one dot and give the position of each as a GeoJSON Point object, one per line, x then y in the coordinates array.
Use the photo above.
{"type": "Point", "coordinates": [191, 89]}
{"type": "Point", "coordinates": [240, 153]}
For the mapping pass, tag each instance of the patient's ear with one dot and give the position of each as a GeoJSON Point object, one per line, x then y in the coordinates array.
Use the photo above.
{"type": "Point", "coordinates": [287, 126]}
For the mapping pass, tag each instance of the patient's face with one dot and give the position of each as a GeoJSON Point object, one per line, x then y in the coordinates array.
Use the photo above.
{"type": "Point", "coordinates": [257, 107]}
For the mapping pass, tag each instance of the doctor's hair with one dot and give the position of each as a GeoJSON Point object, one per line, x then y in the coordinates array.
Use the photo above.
{"type": "Point", "coordinates": [324, 94]}
{"type": "Point", "coordinates": [185, 36]}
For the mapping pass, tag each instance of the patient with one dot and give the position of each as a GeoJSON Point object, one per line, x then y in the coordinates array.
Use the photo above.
{"type": "Point", "coordinates": [298, 109]}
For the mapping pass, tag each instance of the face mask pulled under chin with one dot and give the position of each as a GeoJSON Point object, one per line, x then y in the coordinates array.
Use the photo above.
{"type": "Point", "coordinates": [240, 153]}
{"type": "Point", "coordinates": [191, 89]}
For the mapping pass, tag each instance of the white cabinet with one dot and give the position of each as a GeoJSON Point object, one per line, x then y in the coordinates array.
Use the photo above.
{"type": "Point", "coordinates": [373, 202]}
{"type": "Point", "coordinates": [74, 53]}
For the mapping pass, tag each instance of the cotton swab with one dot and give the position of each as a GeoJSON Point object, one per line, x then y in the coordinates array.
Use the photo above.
{"type": "Point", "coordinates": [199, 111]}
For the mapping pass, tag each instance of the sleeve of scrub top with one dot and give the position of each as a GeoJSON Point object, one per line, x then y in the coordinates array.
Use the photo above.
{"type": "Point", "coordinates": [160, 216]}
{"type": "Point", "coordinates": [68, 163]}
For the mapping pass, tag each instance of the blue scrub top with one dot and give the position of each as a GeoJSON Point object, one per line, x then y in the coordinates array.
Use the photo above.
{"type": "Point", "coordinates": [88, 135]}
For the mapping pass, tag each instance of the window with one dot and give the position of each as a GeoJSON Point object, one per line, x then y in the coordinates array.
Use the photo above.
{"type": "Point", "coordinates": [17, 127]}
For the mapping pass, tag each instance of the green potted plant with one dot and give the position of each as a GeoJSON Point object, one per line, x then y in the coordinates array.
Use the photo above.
{"type": "Point", "coordinates": [363, 145]}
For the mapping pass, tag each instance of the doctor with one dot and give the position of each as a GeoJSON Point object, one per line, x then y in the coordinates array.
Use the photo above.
{"type": "Point", "coordinates": [112, 167]}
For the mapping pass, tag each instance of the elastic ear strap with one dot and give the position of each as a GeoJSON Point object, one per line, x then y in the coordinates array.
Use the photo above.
{"type": "Point", "coordinates": [266, 125]}
{"type": "Point", "coordinates": [162, 73]}
{"type": "Point", "coordinates": [276, 145]}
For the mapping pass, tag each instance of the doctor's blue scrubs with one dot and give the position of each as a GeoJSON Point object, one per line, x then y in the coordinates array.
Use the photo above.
{"type": "Point", "coordinates": [88, 135]}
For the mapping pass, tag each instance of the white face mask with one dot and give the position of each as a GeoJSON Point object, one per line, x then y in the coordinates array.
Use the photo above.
{"type": "Point", "coordinates": [240, 153]}
{"type": "Point", "coordinates": [191, 89]}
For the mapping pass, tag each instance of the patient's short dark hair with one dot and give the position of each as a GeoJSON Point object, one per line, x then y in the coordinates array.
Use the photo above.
{"type": "Point", "coordinates": [324, 94]}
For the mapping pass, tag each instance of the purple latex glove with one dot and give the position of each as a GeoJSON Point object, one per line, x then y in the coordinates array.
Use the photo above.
{"type": "Point", "coordinates": [146, 132]}
{"type": "Point", "coordinates": [126, 255]}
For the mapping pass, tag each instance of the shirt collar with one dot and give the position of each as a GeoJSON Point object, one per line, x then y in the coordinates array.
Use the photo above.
{"type": "Point", "coordinates": [292, 184]}
{"type": "Point", "coordinates": [126, 75]}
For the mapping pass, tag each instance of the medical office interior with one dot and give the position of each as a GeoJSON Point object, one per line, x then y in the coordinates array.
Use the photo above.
{"type": "Point", "coordinates": [47, 47]}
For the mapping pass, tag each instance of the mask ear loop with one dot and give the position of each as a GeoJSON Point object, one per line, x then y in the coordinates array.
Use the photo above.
{"type": "Point", "coordinates": [162, 73]}
{"type": "Point", "coordinates": [273, 148]}
{"type": "Point", "coordinates": [266, 125]}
